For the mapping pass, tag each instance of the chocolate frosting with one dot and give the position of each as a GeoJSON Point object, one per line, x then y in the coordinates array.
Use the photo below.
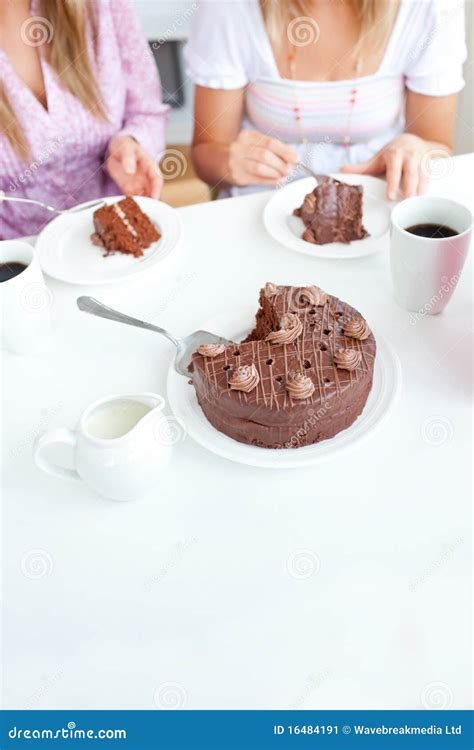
{"type": "Point", "coordinates": [300, 386]}
{"type": "Point", "coordinates": [268, 415]}
{"type": "Point", "coordinates": [357, 328]}
{"type": "Point", "coordinates": [245, 379]}
{"type": "Point", "coordinates": [347, 359]}
{"type": "Point", "coordinates": [270, 290]}
{"type": "Point", "coordinates": [313, 295]}
{"type": "Point", "coordinates": [211, 350]}
{"type": "Point", "coordinates": [291, 328]}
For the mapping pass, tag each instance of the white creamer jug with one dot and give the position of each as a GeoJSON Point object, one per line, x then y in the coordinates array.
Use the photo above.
{"type": "Point", "coordinates": [118, 446]}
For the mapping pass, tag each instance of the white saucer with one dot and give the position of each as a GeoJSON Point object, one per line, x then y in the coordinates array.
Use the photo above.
{"type": "Point", "coordinates": [183, 402]}
{"type": "Point", "coordinates": [66, 252]}
{"type": "Point", "coordinates": [287, 229]}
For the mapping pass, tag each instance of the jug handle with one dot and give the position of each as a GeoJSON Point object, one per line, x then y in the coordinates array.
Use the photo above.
{"type": "Point", "coordinates": [59, 435]}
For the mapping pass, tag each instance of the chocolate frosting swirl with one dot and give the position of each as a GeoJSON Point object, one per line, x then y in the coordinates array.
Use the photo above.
{"type": "Point", "coordinates": [270, 290]}
{"type": "Point", "coordinates": [357, 328]}
{"type": "Point", "coordinates": [313, 295]}
{"type": "Point", "coordinates": [211, 350]}
{"type": "Point", "coordinates": [300, 386]}
{"type": "Point", "coordinates": [290, 328]}
{"type": "Point", "coordinates": [347, 359]}
{"type": "Point", "coordinates": [245, 378]}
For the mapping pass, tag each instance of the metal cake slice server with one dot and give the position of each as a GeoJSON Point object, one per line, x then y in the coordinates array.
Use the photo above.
{"type": "Point", "coordinates": [184, 347]}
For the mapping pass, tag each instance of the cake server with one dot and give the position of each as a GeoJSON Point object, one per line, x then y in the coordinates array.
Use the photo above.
{"type": "Point", "coordinates": [75, 209]}
{"type": "Point", "coordinates": [184, 347]}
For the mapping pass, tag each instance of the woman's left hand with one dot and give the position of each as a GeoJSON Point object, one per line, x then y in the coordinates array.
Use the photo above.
{"type": "Point", "coordinates": [132, 168]}
{"type": "Point", "coordinates": [404, 161]}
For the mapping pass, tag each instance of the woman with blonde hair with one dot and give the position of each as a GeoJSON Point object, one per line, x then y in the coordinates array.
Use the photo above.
{"type": "Point", "coordinates": [80, 107]}
{"type": "Point", "coordinates": [365, 86]}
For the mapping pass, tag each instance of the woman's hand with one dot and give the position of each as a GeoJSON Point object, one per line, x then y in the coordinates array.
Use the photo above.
{"type": "Point", "coordinates": [132, 168]}
{"type": "Point", "coordinates": [405, 161]}
{"type": "Point", "coordinates": [255, 158]}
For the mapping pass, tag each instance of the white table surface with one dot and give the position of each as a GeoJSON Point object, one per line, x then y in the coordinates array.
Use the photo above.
{"type": "Point", "coordinates": [185, 598]}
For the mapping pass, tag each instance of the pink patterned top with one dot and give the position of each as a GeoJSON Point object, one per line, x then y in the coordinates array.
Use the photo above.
{"type": "Point", "coordinates": [68, 144]}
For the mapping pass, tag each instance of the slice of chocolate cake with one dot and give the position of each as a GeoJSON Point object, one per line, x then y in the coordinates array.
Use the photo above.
{"type": "Point", "coordinates": [301, 376]}
{"type": "Point", "coordinates": [123, 228]}
{"type": "Point", "coordinates": [332, 212]}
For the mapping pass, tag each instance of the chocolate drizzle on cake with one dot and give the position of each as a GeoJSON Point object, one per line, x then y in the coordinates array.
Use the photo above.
{"type": "Point", "coordinates": [278, 394]}
{"type": "Point", "coordinates": [332, 212]}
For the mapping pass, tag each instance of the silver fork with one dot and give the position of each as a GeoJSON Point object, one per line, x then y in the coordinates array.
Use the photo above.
{"type": "Point", "coordinates": [4, 197]}
{"type": "Point", "coordinates": [317, 177]}
{"type": "Point", "coordinates": [185, 347]}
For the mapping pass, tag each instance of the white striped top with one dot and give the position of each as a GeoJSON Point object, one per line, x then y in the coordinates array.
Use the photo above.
{"type": "Point", "coordinates": [330, 123]}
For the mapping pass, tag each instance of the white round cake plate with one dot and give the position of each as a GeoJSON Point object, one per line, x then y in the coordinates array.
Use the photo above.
{"type": "Point", "coordinates": [66, 252]}
{"type": "Point", "coordinates": [385, 390]}
{"type": "Point", "coordinates": [287, 229]}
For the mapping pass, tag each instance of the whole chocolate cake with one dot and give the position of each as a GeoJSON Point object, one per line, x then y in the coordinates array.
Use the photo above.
{"type": "Point", "coordinates": [122, 227]}
{"type": "Point", "coordinates": [301, 376]}
{"type": "Point", "coordinates": [332, 212]}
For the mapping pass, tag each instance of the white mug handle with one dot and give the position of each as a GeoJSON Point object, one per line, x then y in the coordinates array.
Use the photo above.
{"type": "Point", "coordinates": [60, 435]}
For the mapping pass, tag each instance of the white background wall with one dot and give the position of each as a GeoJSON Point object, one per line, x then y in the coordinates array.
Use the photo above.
{"type": "Point", "coordinates": [171, 19]}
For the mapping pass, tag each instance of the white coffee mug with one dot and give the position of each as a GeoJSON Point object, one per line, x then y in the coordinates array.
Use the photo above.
{"type": "Point", "coordinates": [25, 301]}
{"type": "Point", "coordinates": [425, 270]}
{"type": "Point", "coordinates": [120, 445]}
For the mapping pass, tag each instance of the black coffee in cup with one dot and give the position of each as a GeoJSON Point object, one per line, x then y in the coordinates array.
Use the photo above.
{"type": "Point", "coordinates": [432, 231]}
{"type": "Point", "coordinates": [11, 269]}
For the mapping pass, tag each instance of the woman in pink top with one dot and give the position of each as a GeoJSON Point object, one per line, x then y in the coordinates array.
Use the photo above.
{"type": "Point", "coordinates": [81, 114]}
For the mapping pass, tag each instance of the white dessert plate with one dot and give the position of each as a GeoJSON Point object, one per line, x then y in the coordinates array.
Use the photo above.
{"type": "Point", "coordinates": [385, 390]}
{"type": "Point", "coordinates": [287, 229]}
{"type": "Point", "coordinates": [66, 252]}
